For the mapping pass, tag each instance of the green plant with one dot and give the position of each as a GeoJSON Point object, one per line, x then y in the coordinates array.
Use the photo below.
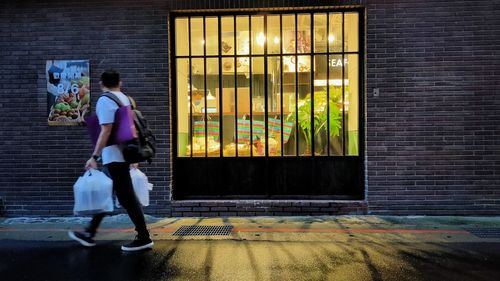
{"type": "Point", "coordinates": [321, 118]}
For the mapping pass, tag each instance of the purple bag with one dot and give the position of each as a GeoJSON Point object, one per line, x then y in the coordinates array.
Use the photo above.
{"type": "Point", "coordinates": [123, 127]}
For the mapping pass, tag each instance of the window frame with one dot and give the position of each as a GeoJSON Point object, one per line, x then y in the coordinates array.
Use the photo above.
{"type": "Point", "coordinates": [311, 54]}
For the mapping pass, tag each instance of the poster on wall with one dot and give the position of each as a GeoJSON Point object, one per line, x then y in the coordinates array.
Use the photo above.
{"type": "Point", "coordinates": [68, 92]}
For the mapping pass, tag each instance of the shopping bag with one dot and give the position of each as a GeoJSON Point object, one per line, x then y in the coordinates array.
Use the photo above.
{"type": "Point", "coordinates": [123, 127]}
{"type": "Point", "coordinates": [93, 193]}
{"type": "Point", "coordinates": [141, 187]}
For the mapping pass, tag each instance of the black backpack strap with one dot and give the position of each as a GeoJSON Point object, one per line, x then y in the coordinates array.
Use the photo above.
{"type": "Point", "coordinates": [113, 97]}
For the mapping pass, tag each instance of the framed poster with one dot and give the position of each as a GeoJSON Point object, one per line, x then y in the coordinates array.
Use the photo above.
{"type": "Point", "coordinates": [68, 91]}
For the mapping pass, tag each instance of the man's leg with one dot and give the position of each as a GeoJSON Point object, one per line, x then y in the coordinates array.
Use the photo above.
{"type": "Point", "coordinates": [122, 185]}
{"type": "Point", "coordinates": [86, 238]}
{"type": "Point", "coordinates": [94, 224]}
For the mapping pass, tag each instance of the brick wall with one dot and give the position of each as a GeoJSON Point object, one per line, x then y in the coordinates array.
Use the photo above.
{"type": "Point", "coordinates": [267, 208]}
{"type": "Point", "coordinates": [38, 163]}
{"type": "Point", "coordinates": [432, 135]}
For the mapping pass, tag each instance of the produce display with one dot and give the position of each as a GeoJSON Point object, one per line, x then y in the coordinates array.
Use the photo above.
{"type": "Point", "coordinates": [199, 147]}
{"type": "Point", "coordinates": [71, 107]}
{"type": "Point", "coordinates": [243, 149]}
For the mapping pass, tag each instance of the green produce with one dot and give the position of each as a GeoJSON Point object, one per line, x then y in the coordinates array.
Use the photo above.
{"type": "Point", "coordinates": [61, 106]}
{"type": "Point", "coordinates": [85, 99]}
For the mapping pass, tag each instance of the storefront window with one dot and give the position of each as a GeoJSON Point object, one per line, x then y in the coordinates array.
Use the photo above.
{"type": "Point", "coordinates": [288, 34]}
{"type": "Point", "coordinates": [267, 85]}
{"type": "Point", "coordinates": [274, 35]}
{"type": "Point", "coordinates": [181, 37]}
{"type": "Point", "coordinates": [320, 33]}
{"type": "Point", "coordinates": [197, 39]}
{"type": "Point", "coordinates": [335, 105]}
{"type": "Point", "coordinates": [242, 35]}
{"type": "Point", "coordinates": [212, 35]}
{"type": "Point", "coordinates": [199, 142]}
{"type": "Point", "coordinates": [183, 108]}
{"type": "Point", "coordinates": [275, 107]}
{"type": "Point", "coordinates": [335, 38]}
{"type": "Point", "coordinates": [227, 35]}
{"type": "Point", "coordinates": [228, 107]}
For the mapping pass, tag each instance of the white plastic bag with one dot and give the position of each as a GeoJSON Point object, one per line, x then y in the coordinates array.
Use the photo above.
{"type": "Point", "coordinates": [93, 193]}
{"type": "Point", "coordinates": [141, 187]}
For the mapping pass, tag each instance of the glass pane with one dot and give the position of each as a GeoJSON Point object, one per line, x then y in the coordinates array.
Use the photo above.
{"type": "Point", "coordinates": [273, 34]}
{"type": "Point", "coordinates": [227, 33]}
{"type": "Point", "coordinates": [351, 22]}
{"type": "Point", "coordinates": [335, 32]}
{"type": "Point", "coordinates": [274, 107]}
{"type": "Point", "coordinates": [197, 41]}
{"type": "Point", "coordinates": [181, 37]}
{"type": "Point", "coordinates": [351, 97]}
{"type": "Point", "coordinates": [320, 106]}
{"type": "Point", "coordinates": [258, 107]}
{"type": "Point", "coordinates": [228, 108]}
{"type": "Point", "coordinates": [320, 33]}
{"type": "Point", "coordinates": [198, 105]}
{"type": "Point", "coordinates": [242, 35]}
{"type": "Point", "coordinates": [258, 36]}
{"type": "Point", "coordinates": [335, 105]}
{"type": "Point", "coordinates": [213, 122]}
{"type": "Point", "coordinates": [212, 35]}
{"type": "Point", "coordinates": [304, 105]}
{"type": "Point", "coordinates": [289, 106]}
{"type": "Point", "coordinates": [183, 124]}
{"type": "Point", "coordinates": [243, 106]}
{"type": "Point", "coordinates": [288, 26]}
{"type": "Point", "coordinates": [304, 33]}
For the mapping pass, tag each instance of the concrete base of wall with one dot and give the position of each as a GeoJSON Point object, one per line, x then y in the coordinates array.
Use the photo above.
{"type": "Point", "coordinates": [215, 208]}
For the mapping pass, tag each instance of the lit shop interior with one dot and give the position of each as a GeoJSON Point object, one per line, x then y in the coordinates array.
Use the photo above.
{"type": "Point", "coordinates": [271, 85]}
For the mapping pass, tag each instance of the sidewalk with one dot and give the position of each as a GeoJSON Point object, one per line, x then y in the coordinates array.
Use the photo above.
{"type": "Point", "coordinates": [324, 228]}
{"type": "Point", "coordinates": [347, 248]}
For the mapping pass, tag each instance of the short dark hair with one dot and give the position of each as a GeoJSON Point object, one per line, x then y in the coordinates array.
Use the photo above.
{"type": "Point", "coordinates": [110, 78]}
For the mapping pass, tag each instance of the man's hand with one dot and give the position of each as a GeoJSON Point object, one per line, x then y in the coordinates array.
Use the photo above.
{"type": "Point", "coordinates": [91, 164]}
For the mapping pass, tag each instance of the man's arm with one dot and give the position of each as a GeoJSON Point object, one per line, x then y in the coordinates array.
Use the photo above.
{"type": "Point", "coordinates": [101, 143]}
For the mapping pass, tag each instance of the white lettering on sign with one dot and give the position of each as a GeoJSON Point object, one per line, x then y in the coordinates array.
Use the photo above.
{"type": "Point", "coordinates": [71, 75]}
{"type": "Point", "coordinates": [337, 62]}
{"type": "Point", "coordinates": [62, 88]}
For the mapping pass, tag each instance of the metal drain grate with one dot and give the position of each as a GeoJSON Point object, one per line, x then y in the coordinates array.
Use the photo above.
{"type": "Point", "coordinates": [188, 230]}
{"type": "Point", "coordinates": [485, 232]}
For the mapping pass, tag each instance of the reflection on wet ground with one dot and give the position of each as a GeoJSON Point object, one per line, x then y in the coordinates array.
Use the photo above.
{"type": "Point", "coordinates": [356, 259]}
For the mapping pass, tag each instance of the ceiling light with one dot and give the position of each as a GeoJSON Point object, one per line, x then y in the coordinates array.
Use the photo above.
{"type": "Point", "coordinates": [261, 39]}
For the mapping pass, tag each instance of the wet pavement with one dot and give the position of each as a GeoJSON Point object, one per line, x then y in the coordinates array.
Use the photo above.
{"type": "Point", "coordinates": [308, 248]}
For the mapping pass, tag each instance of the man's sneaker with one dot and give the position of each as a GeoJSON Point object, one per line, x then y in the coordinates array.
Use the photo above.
{"type": "Point", "coordinates": [138, 244]}
{"type": "Point", "coordinates": [83, 238]}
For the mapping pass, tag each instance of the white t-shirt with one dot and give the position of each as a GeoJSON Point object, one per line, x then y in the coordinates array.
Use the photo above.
{"type": "Point", "coordinates": [105, 110]}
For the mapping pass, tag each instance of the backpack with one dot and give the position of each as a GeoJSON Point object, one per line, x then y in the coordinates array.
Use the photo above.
{"type": "Point", "coordinates": [143, 148]}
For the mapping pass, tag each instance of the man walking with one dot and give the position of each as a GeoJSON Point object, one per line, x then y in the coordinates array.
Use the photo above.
{"type": "Point", "coordinates": [118, 169]}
